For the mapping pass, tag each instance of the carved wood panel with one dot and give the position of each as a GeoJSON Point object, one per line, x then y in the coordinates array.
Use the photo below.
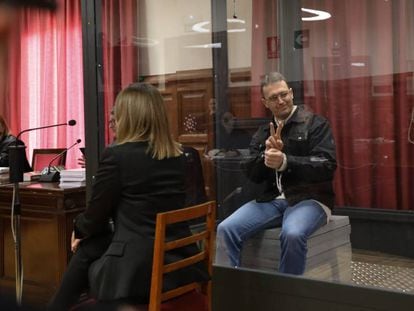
{"type": "Point", "coordinates": [189, 101]}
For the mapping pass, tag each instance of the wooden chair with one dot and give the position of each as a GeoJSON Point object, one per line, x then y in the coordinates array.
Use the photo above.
{"type": "Point", "coordinates": [184, 295]}
{"type": "Point", "coordinates": [42, 157]}
{"type": "Point", "coordinates": [190, 297]}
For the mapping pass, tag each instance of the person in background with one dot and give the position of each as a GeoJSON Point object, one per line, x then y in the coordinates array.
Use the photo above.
{"type": "Point", "coordinates": [6, 140]}
{"type": "Point", "coordinates": [140, 175]}
{"type": "Point", "coordinates": [295, 157]}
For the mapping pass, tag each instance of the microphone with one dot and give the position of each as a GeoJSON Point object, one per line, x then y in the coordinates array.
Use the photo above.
{"type": "Point", "coordinates": [70, 123]}
{"type": "Point", "coordinates": [17, 154]}
{"type": "Point", "coordinates": [55, 175]}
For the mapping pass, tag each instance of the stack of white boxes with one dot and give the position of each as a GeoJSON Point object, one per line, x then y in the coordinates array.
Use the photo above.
{"type": "Point", "coordinates": [329, 251]}
{"type": "Point", "coordinates": [72, 177]}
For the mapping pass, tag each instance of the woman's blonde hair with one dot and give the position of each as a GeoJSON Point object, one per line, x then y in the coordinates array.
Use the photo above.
{"type": "Point", "coordinates": [140, 116]}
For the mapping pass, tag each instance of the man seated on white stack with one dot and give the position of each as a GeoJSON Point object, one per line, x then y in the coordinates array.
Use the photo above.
{"type": "Point", "coordinates": [295, 157]}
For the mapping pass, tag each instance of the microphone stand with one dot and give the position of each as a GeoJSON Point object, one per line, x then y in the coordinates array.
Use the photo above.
{"type": "Point", "coordinates": [17, 156]}
{"type": "Point", "coordinates": [55, 175]}
{"type": "Point", "coordinates": [17, 244]}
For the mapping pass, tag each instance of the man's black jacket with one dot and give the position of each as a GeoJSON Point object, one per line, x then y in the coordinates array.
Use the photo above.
{"type": "Point", "coordinates": [311, 160]}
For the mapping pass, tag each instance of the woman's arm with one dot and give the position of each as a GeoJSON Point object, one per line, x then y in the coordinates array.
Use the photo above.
{"type": "Point", "coordinates": [105, 196]}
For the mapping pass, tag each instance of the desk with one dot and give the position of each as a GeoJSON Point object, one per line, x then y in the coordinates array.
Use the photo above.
{"type": "Point", "coordinates": [46, 222]}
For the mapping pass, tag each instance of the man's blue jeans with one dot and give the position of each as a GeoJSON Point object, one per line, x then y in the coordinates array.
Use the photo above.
{"type": "Point", "coordinates": [298, 223]}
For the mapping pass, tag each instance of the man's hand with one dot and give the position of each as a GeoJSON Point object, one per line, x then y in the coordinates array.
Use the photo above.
{"type": "Point", "coordinates": [273, 158]}
{"type": "Point", "coordinates": [275, 140]}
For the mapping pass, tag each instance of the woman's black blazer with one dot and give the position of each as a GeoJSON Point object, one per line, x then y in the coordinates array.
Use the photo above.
{"type": "Point", "coordinates": [131, 188]}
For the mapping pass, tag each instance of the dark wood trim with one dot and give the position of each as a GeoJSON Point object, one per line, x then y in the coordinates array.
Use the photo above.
{"type": "Point", "coordinates": [47, 219]}
{"type": "Point", "coordinates": [376, 214]}
{"type": "Point", "coordinates": [240, 75]}
{"type": "Point", "coordinates": [244, 289]}
{"type": "Point", "coordinates": [193, 139]}
{"type": "Point", "coordinates": [93, 98]}
{"type": "Point", "coordinates": [185, 76]}
{"type": "Point", "coordinates": [220, 68]}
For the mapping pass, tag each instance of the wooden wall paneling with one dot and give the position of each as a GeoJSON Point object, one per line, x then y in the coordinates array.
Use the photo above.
{"type": "Point", "coordinates": [195, 117]}
{"type": "Point", "coordinates": [170, 102]}
{"type": "Point", "coordinates": [167, 85]}
{"type": "Point", "coordinates": [240, 101]}
{"type": "Point", "coordinates": [2, 228]}
{"type": "Point", "coordinates": [189, 102]}
{"type": "Point", "coordinates": [47, 224]}
{"type": "Point", "coordinates": [240, 93]}
{"type": "Point", "coordinates": [192, 113]}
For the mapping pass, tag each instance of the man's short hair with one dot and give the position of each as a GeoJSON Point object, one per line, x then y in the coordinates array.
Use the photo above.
{"type": "Point", "coordinates": [270, 78]}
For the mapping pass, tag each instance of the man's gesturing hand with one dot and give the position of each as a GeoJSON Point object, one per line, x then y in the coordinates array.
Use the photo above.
{"type": "Point", "coordinates": [273, 158]}
{"type": "Point", "coordinates": [275, 138]}
{"type": "Point", "coordinates": [274, 145]}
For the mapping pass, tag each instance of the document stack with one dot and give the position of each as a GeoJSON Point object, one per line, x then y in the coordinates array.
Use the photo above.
{"type": "Point", "coordinates": [4, 175]}
{"type": "Point", "coordinates": [72, 177]}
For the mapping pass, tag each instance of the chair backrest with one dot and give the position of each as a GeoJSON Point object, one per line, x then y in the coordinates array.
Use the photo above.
{"type": "Point", "coordinates": [195, 192]}
{"type": "Point", "coordinates": [161, 246]}
{"type": "Point", "coordinates": [42, 157]}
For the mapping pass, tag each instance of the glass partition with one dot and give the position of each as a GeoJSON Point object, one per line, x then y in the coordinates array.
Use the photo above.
{"type": "Point", "coordinates": [350, 62]}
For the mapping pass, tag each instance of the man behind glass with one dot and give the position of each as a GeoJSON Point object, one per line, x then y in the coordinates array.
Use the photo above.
{"type": "Point", "coordinates": [295, 158]}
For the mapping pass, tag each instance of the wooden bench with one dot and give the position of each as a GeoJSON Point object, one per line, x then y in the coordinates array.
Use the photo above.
{"type": "Point", "coordinates": [328, 257]}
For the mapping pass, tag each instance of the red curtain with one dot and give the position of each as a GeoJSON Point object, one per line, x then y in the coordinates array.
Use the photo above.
{"type": "Point", "coordinates": [120, 51]}
{"type": "Point", "coordinates": [359, 74]}
{"type": "Point", "coordinates": [3, 80]}
{"type": "Point", "coordinates": [46, 78]}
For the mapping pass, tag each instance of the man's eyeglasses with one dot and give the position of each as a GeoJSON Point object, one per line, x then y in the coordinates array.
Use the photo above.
{"type": "Point", "coordinates": [274, 98]}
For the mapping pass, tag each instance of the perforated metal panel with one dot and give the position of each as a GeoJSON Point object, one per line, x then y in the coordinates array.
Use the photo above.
{"type": "Point", "coordinates": [383, 276]}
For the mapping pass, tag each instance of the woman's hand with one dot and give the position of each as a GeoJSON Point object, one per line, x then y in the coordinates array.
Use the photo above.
{"type": "Point", "coordinates": [74, 242]}
{"type": "Point", "coordinates": [82, 161]}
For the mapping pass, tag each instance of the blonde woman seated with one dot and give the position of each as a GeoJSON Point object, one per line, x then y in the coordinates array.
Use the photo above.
{"type": "Point", "coordinates": [141, 175]}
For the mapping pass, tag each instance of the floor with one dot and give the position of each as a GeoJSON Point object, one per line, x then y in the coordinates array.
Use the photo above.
{"type": "Point", "coordinates": [382, 270]}
{"type": "Point", "coordinates": [367, 268]}
{"type": "Point", "coordinates": [345, 264]}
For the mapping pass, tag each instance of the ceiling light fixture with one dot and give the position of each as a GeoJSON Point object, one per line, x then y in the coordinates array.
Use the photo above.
{"type": "Point", "coordinates": [319, 15]}
{"type": "Point", "coordinates": [144, 42]}
{"type": "Point", "coordinates": [205, 46]}
{"type": "Point", "coordinates": [358, 64]}
{"type": "Point", "coordinates": [201, 27]}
